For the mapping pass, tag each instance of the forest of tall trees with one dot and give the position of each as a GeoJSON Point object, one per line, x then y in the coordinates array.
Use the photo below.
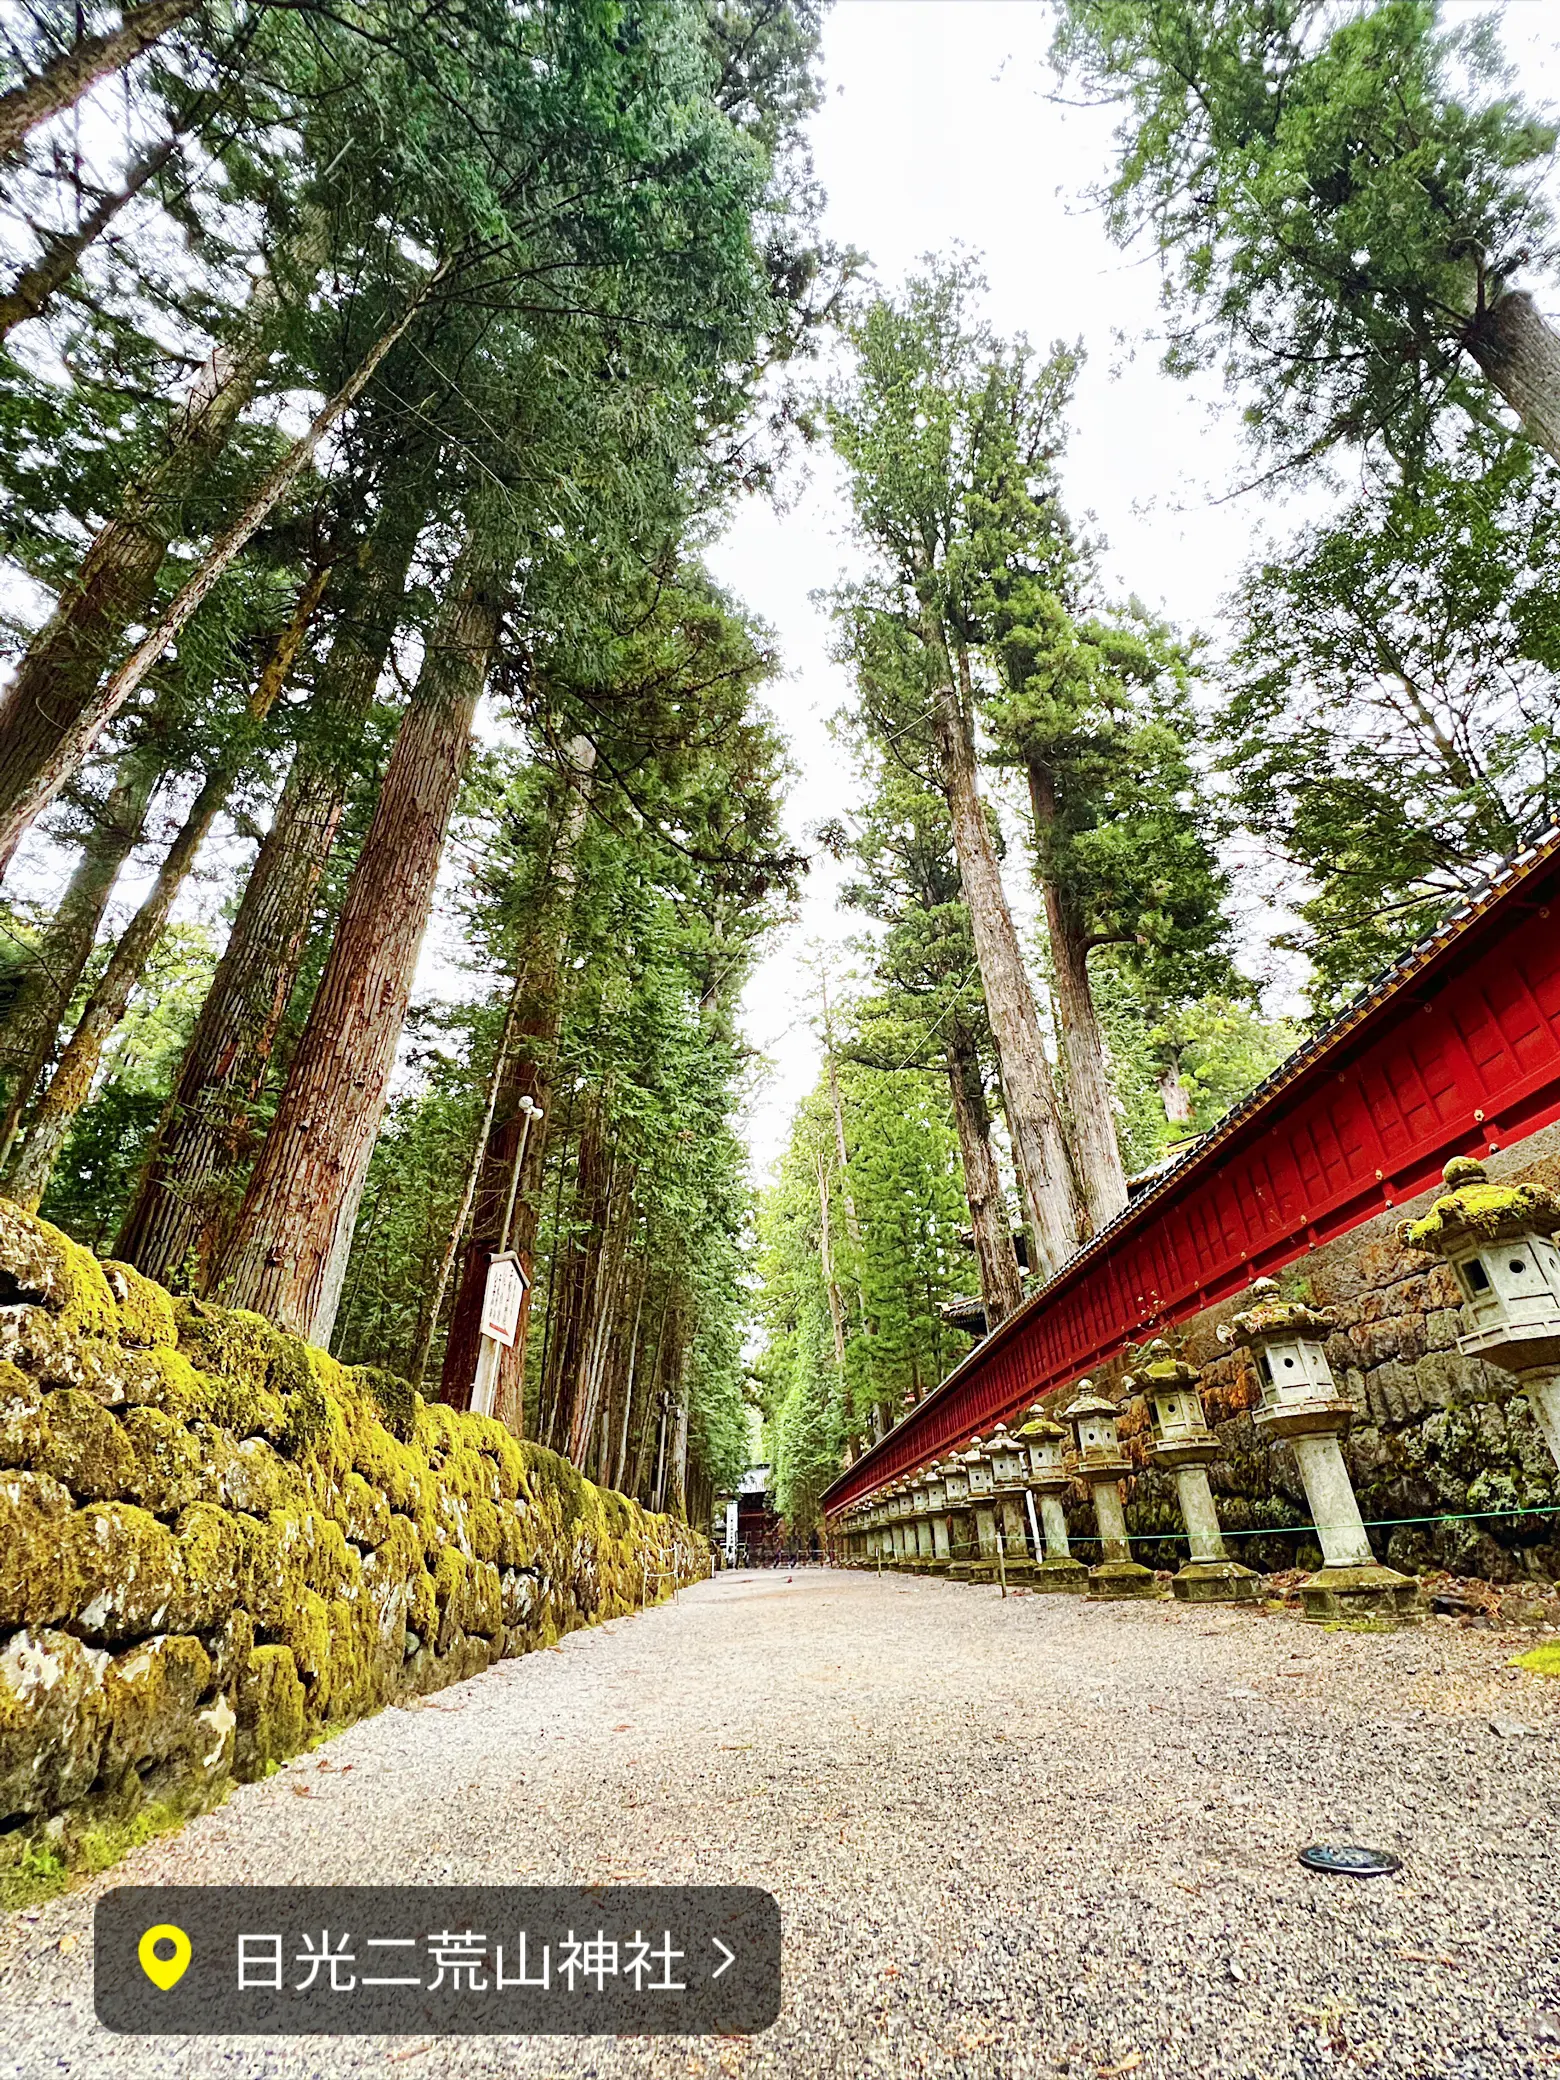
{"type": "Point", "coordinates": [374, 382]}
{"type": "Point", "coordinates": [1343, 200]}
{"type": "Point", "coordinates": [367, 372]}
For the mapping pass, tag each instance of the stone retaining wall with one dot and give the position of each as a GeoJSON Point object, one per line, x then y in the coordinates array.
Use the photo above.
{"type": "Point", "coordinates": [217, 1544]}
{"type": "Point", "coordinates": [1437, 1434]}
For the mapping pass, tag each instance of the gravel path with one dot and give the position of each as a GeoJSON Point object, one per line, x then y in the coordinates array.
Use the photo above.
{"type": "Point", "coordinates": [1008, 1838]}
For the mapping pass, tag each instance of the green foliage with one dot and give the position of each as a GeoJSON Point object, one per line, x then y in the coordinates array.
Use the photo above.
{"type": "Point", "coordinates": [102, 1158]}
{"type": "Point", "coordinates": [1391, 698]}
{"type": "Point", "coordinates": [891, 1241]}
{"type": "Point", "coordinates": [1339, 193]}
{"type": "Point", "coordinates": [1097, 709]}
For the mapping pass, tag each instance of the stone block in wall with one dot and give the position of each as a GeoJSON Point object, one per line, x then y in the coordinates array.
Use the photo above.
{"type": "Point", "coordinates": [1443, 1326]}
{"type": "Point", "coordinates": [54, 1720]}
{"type": "Point", "coordinates": [154, 1693]}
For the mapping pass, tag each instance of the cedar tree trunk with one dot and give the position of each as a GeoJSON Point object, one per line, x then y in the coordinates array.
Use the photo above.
{"type": "Point", "coordinates": [33, 1022]}
{"type": "Point", "coordinates": [1039, 1150]}
{"type": "Point", "coordinates": [38, 757]}
{"type": "Point", "coordinates": [528, 1074]}
{"type": "Point", "coordinates": [184, 1198]}
{"type": "Point", "coordinates": [1519, 350]}
{"type": "Point", "coordinates": [1000, 1285]}
{"type": "Point", "coordinates": [62, 82]}
{"type": "Point", "coordinates": [71, 1084]}
{"type": "Point", "coordinates": [288, 1255]}
{"type": "Point", "coordinates": [1101, 1173]}
{"type": "Point", "coordinates": [34, 288]}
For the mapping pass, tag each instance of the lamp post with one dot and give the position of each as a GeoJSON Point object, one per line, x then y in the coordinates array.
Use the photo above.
{"type": "Point", "coordinates": [1101, 1464]}
{"type": "Point", "coordinates": [530, 1112]}
{"type": "Point", "coordinates": [1050, 1477]}
{"type": "Point", "coordinates": [1184, 1443]}
{"type": "Point", "coordinates": [1301, 1403]}
{"type": "Point", "coordinates": [1499, 1241]}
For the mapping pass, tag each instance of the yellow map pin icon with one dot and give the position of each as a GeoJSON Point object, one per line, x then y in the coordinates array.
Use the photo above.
{"type": "Point", "coordinates": [165, 1972]}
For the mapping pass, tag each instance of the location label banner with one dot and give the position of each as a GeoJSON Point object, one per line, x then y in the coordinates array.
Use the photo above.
{"type": "Point", "coordinates": [394, 1960]}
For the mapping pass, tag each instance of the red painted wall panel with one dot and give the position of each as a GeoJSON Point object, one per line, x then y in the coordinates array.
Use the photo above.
{"type": "Point", "coordinates": [1362, 1120]}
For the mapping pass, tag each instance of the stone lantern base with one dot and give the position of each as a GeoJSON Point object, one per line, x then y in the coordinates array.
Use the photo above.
{"type": "Point", "coordinates": [1377, 1593]}
{"type": "Point", "coordinates": [1114, 1580]}
{"type": "Point", "coordinates": [1216, 1581]}
{"type": "Point", "coordinates": [1057, 1577]}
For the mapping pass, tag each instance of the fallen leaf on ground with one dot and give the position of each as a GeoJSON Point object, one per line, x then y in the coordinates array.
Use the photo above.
{"type": "Point", "coordinates": [68, 1943]}
{"type": "Point", "coordinates": [1129, 2064]}
{"type": "Point", "coordinates": [302, 1791]}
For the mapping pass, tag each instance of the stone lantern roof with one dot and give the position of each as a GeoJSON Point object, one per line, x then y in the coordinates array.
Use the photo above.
{"type": "Point", "coordinates": [1274, 1316]}
{"type": "Point", "coordinates": [1478, 1211]}
{"type": "Point", "coordinates": [1090, 1403]}
{"type": "Point", "coordinates": [1043, 1429]}
{"type": "Point", "coordinates": [1163, 1370]}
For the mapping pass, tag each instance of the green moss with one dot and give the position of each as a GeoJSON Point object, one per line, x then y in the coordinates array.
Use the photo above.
{"type": "Point", "coordinates": [37, 1260]}
{"type": "Point", "coordinates": [1488, 1212]}
{"type": "Point", "coordinates": [1542, 1661]}
{"type": "Point", "coordinates": [146, 1312]}
{"type": "Point", "coordinates": [21, 1417]}
{"type": "Point", "coordinates": [263, 1545]}
{"type": "Point", "coordinates": [395, 1400]}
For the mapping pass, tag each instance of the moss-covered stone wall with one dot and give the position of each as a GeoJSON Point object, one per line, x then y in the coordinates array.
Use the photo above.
{"type": "Point", "coordinates": [217, 1544]}
{"type": "Point", "coordinates": [1437, 1435]}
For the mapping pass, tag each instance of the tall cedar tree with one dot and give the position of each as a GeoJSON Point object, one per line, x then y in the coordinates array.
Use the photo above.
{"type": "Point", "coordinates": [928, 386]}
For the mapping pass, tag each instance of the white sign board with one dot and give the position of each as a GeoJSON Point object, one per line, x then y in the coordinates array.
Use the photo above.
{"type": "Point", "coordinates": [731, 1531]}
{"type": "Point", "coordinates": [501, 1298]}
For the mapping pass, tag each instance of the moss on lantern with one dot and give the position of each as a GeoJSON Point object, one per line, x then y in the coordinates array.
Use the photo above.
{"type": "Point", "coordinates": [1476, 1210]}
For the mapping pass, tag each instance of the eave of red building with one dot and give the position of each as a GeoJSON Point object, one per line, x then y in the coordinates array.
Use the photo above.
{"type": "Point", "coordinates": [1454, 1051]}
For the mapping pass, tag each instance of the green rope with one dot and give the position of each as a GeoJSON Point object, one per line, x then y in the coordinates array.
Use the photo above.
{"type": "Point", "coordinates": [1297, 1530]}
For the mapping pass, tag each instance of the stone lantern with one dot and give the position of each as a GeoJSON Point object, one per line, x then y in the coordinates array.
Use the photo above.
{"type": "Point", "coordinates": [961, 1530]}
{"type": "Point", "coordinates": [983, 1506]}
{"type": "Point", "coordinates": [937, 1517]}
{"type": "Point", "coordinates": [1101, 1465]}
{"type": "Point", "coordinates": [1050, 1477]}
{"type": "Point", "coordinates": [1184, 1443]}
{"type": "Point", "coordinates": [1010, 1478]}
{"type": "Point", "coordinates": [920, 1524]}
{"type": "Point", "coordinates": [887, 1544]}
{"type": "Point", "coordinates": [1499, 1241]}
{"type": "Point", "coordinates": [1301, 1403]}
{"type": "Point", "coordinates": [899, 1514]}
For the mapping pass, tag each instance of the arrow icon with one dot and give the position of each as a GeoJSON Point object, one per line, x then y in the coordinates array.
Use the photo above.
{"type": "Point", "coordinates": [729, 1955]}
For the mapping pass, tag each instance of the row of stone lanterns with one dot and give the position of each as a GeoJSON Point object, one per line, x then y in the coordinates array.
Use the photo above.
{"type": "Point", "coordinates": [966, 1517]}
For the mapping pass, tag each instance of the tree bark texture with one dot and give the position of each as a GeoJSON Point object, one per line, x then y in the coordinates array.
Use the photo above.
{"type": "Point", "coordinates": [1100, 1169]}
{"type": "Point", "coordinates": [61, 83]}
{"type": "Point", "coordinates": [1039, 1149]}
{"type": "Point", "coordinates": [1000, 1285]}
{"type": "Point", "coordinates": [71, 1084]}
{"type": "Point", "coordinates": [184, 1201]}
{"type": "Point", "coordinates": [30, 295]}
{"type": "Point", "coordinates": [288, 1255]}
{"type": "Point", "coordinates": [33, 1022]}
{"type": "Point", "coordinates": [529, 1074]}
{"type": "Point", "coordinates": [568, 1294]}
{"type": "Point", "coordinates": [1519, 350]}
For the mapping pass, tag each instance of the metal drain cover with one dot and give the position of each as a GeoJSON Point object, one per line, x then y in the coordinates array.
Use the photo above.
{"type": "Point", "coordinates": [1345, 1859]}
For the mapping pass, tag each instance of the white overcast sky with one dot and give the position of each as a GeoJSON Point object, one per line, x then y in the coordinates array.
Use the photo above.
{"type": "Point", "coordinates": [938, 127]}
